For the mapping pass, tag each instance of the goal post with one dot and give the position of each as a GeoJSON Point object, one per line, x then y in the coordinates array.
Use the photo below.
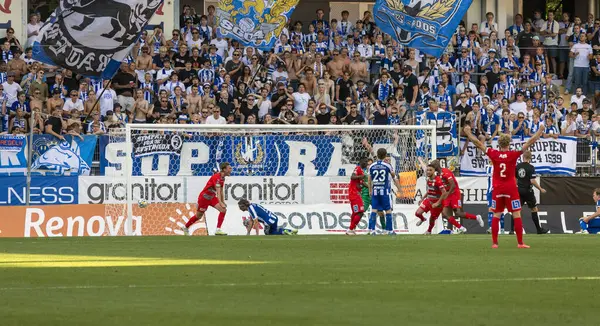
{"type": "Point", "coordinates": [300, 172]}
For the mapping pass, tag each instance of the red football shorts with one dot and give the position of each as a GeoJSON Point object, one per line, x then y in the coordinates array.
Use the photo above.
{"type": "Point", "coordinates": [356, 203]}
{"type": "Point", "coordinates": [427, 206]}
{"type": "Point", "coordinates": [506, 199]}
{"type": "Point", "coordinates": [204, 203]}
{"type": "Point", "coordinates": [453, 201]}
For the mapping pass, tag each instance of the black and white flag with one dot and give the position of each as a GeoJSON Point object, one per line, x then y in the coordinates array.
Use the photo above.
{"type": "Point", "coordinates": [150, 144]}
{"type": "Point", "coordinates": [92, 37]}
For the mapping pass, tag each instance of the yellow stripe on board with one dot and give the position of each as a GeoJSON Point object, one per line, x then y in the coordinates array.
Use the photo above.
{"type": "Point", "coordinates": [42, 261]}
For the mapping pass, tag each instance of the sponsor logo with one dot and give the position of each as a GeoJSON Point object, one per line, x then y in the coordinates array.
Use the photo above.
{"type": "Point", "coordinates": [38, 195]}
{"type": "Point", "coordinates": [264, 191]}
{"type": "Point", "coordinates": [148, 189]}
{"type": "Point", "coordinates": [332, 222]}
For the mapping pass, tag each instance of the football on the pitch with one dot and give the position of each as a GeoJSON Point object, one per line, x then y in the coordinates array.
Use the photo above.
{"type": "Point", "coordinates": [142, 203]}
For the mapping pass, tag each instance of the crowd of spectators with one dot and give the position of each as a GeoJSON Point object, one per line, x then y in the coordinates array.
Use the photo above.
{"type": "Point", "coordinates": [540, 73]}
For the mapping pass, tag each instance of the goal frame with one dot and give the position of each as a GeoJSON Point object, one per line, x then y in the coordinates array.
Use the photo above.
{"type": "Point", "coordinates": [129, 127]}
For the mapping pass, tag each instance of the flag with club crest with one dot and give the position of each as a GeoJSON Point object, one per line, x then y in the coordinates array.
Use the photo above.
{"type": "Point", "coordinates": [427, 25]}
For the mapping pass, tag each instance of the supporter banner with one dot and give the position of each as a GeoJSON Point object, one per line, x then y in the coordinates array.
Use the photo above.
{"type": "Point", "coordinates": [51, 156]}
{"type": "Point", "coordinates": [12, 143]}
{"type": "Point", "coordinates": [569, 191]}
{"type": "Point", "coordinates": [424, 24]}
{"type": "Point", "coordinates": [95, 220]}
{"type": "Point", "coordinates": [446, 135]}
{"type": "Point", "coordinates": [559, 219]}
{"type": "Point", "coordinates": [44, 190]}
{"type": "Point", "coordinates": [264, 155]}
{"type": "Point", "coordinates": [550, 156]}
{"type": "Point", "coordinates": [148, 144]}
{"type": "Point", "coordinates": [92, 37]}
{"type": "Point", "coordinates": [256, 24]}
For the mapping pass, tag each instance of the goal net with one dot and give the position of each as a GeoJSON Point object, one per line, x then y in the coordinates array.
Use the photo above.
{"type": "Point", "coordinates": [299, 172]}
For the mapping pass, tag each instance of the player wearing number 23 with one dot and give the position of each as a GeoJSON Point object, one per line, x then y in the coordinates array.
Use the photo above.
{"type": "Point", "coordinates": [381, 175]}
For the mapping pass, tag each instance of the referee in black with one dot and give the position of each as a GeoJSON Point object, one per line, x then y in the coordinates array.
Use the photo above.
{"type": "Point", "coordinates": [526, 180]}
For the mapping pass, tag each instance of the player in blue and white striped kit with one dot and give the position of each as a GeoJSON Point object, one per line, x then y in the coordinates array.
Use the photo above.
{"type": "Point", "coordinates": [583, 222]}
{"type": "Point", "coordinates": [381, 174]}
{"type": "Point", "coordinates": [489, 171]}
{"type": "Point", "coordinates": [260, 214]}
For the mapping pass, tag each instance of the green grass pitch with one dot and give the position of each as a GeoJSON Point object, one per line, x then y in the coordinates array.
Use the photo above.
{"type": "Point", "coordinates": [302, 280]}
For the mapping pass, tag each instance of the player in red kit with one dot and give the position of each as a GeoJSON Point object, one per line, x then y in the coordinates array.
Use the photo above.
{"type": "Point", "coordinates": [356, 202]}
{"type": "Point", "coordinates": [212, 195]}
{"type": "Point", "coordinates": [436, 194]}
{"type": "Point", "coordinates": [505, 193]}
{"type": "Point", "coordinates": [453, 203]}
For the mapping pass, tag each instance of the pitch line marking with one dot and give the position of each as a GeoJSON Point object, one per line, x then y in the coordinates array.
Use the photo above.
{"type": "Point", "coordinates": [325, 283]}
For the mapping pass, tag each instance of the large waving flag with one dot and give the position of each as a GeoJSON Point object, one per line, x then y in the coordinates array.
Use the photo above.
{"type": "Point", "coordinates": [427, 25]}
{"type": "Point", "coordinates": [92, 37]}
{"type": "Point", "coordinates": [255, 23]}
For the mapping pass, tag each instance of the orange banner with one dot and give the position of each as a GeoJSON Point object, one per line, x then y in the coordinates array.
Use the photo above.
{"type": "Point", "coordinates": [97, 220]}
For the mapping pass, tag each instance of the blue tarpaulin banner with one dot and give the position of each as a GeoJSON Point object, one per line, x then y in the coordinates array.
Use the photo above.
{"type": "Point", "coordinates": [44, 190]}
{"type": "Point", "coordinates": [257, 155]}
{"type": "Point", "coordinates": [51, 156]}
{"type": "Point", "coordinates": [427, 25]}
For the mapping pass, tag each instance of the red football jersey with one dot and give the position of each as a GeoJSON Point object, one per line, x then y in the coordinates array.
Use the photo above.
{"type": "Point", "coordinates": [356, 184]}
{"type": "Point", "coordinates": [446, 176]}
{"type": "Point", "coordinates": [210, 190]}
{"type": "Point", "coordinates": [505, 165]}
{"type": "Point", "coordinates": [434, 188]}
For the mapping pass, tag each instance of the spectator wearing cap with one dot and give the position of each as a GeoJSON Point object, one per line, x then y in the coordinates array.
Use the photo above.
{"type": "Point", "coordinates": [17, 65]}
{"type": "Point", "coordinates": [582, 53]}
{"type": "Point", "coordinates": [158, 60]}
{"type": "Point", "coordinates": [73, 103]}
{"type": "Point", "coordinates": [519, 105]}
{"type": "Point", "coordinates": [108, 98]}
{"type": "Point", "coordinates": [11, 89]}
{"type": "Point", "coordinates": [549, 32]}
{"type": "Point", "coordinates": [215, 59]}
{"type": "Point", "coordinates": [163, 75]}
{"type": "Point", "coordinates": [97, 127]}
{"type": "Point", "coordinates": [410, 84]}
{"type": "Point", "coordinates": [125, 81]}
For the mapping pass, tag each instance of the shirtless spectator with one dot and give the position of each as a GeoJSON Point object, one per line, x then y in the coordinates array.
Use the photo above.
{"type": "Point", "coordinates": [141, 107]}
{"type": "Point", "coordinates": [309, 80]}
{"type": "Point", "coordinates": [337, 66]}
{"type": "Point", "coordinates": [358, 68]}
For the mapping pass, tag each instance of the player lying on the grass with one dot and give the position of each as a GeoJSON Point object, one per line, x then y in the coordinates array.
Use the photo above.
{"type": "Point", "coordinates": [212, 195]}
{"type": "Point", "coordinates": [505, 193]}
{"type": "Point", "coordinates": [586, 219]}
{"type": "Point", "coordinates": [381, 175]}
{"type": "Point", "coordinates": [452, 205]}
{"type": "Point", "coordinates": [489, 171]}
{"type": "Point", "coordinates": [259, 214]}
{"type": "Point", "coordinates": [436, 194]}
{"type": "Point", "coordinates": [357, 183]}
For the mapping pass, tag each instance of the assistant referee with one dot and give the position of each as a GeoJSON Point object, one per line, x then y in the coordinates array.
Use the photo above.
{"type": "Point", "coordinates": [526, 180]}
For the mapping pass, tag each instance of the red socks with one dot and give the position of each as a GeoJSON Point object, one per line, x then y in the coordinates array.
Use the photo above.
{"type": "Point", "coordinates": [354, 220]}
{"type": "Point", "coordinates": [420, 216]}
{"type": "Point", "coordinates": [495, 229]}
{"type": "Point", "coordinates": [192, 220]}
{"type": "Point", "coordinates": [519, 230]}
{"type": "Point", "coordinates": [454, 222]}
{"type": "Point", "coordinates": [221, 219]}
{"type": "Point", "coordinates": [470, 216]}
{"type": "Point", "coordinates": [431, 224]}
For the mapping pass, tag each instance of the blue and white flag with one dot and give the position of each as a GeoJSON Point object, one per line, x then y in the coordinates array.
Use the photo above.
{"type": "Point", "coordinates": [255, 23]}
{"type": "Point", "coordinates": [446, 133]}
{"type": "Point", "coordinates": [427, 25]}
{"type": "Point", "coordinates": [92, 37]}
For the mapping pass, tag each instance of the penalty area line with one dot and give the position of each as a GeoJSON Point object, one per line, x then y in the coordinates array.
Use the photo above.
{"type": "Point", "coordinates": [321, 283]}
